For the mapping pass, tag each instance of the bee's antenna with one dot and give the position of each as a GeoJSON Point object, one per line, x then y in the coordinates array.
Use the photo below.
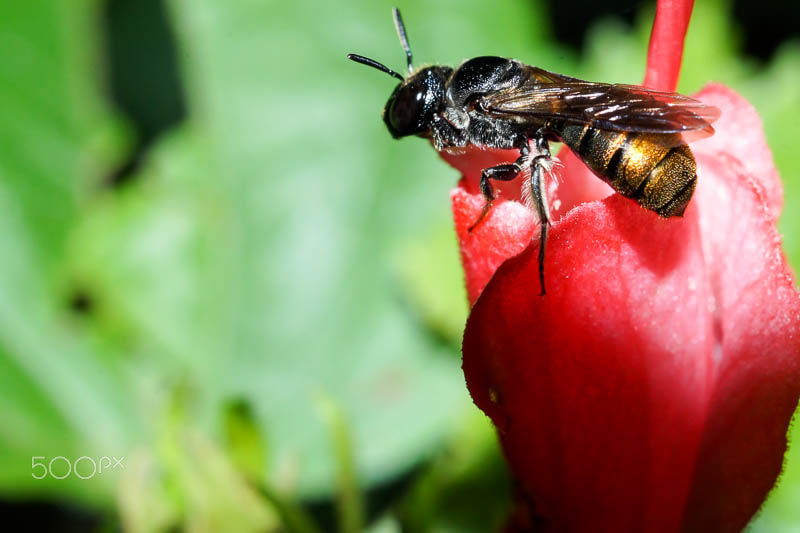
{"type": "Point", "coordinates": [374, 64]}
{"type": "Point", "coordinates": [401, 32]}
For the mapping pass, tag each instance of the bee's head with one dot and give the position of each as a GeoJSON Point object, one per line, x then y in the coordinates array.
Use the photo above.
{"type": "Point", "coordinates": [411, 106]}
{"type": "Point", "coordinates": [417, 98]}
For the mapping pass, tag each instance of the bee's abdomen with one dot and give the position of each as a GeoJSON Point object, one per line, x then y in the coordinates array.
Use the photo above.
{"type": "Point", "coordinates": [656, 170]}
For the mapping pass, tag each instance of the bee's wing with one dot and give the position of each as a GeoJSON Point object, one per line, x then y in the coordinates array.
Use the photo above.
{"type": "Point", "coordinates": [605, 106]}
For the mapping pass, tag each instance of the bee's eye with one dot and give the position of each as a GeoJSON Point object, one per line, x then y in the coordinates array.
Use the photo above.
{"type": "Point", "coordinates": [411, 108]}
{"type": "Point", "coordinates": [407, 112]}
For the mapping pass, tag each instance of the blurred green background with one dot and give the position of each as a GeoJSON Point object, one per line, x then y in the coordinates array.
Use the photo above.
{"type": "Point", "coordinates": [218, 265]}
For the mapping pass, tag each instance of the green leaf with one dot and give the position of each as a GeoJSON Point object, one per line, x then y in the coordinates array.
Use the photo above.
{"type": "Point", "coordinates": [254, 257]}
{"type": "Point", "coordinates": [59, 394]}
{"type": "Point", "coordinates": [427, 267]}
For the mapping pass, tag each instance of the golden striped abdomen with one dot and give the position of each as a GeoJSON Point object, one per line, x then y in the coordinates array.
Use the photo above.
{"type": "Point", "coordinates": [656, 170]}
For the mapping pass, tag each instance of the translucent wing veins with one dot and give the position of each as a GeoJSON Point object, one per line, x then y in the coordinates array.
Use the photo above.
{"type": "Point", "coordinates": [616, 107]}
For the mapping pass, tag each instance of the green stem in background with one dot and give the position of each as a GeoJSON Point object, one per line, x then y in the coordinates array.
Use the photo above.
{"type": "Point", "coordinates": [293, 517]}
{"type": "Point", "coordinates": [247, 449]}
{"type": "Point", "coordinates": [349, 502]}
{"type": "Point", "coordinates": [245, 443]}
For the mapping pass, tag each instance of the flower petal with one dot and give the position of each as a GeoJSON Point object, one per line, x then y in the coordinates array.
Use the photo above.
{"type": "Point", "coordinates": [739, 141]}
{"type": "Point", "coordinates": [509, 226]}
{"type": "Point", "coordinates": [504, 233]}
{"type": "Point", "coordinates": [592, 418]}
{"type": "Point", "coordinates": [652, 387]}
{"type": "Point", "coordinates": [756, 314]}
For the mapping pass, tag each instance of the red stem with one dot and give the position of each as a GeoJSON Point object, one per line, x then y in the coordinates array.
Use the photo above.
{"type": "Point", "coordinates": [666, 44]}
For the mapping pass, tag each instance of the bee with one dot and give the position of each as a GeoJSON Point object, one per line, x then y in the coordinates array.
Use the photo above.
{"type": "Point", "coordinates": [629, 136]}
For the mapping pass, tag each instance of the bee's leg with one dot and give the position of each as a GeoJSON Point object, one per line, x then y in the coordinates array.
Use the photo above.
{"type": "Point", "coordinates": [540, 200]}
{"type": "Point", "coordinates": [542, 146]}
{"type": "Point", "coordinates": [501, 173]}
{"type": "Point", "coordinates": [505, 172]}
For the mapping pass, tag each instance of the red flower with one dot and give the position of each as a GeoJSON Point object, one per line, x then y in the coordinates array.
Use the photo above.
{"type": "Point", "coordinates": [651, 389]}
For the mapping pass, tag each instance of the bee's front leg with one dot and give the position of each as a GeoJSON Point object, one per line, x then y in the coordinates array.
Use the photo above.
{"type": "Point", "coordinates": [505, 172]}
{"type": "Point", "coordinates": [540, 198]}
